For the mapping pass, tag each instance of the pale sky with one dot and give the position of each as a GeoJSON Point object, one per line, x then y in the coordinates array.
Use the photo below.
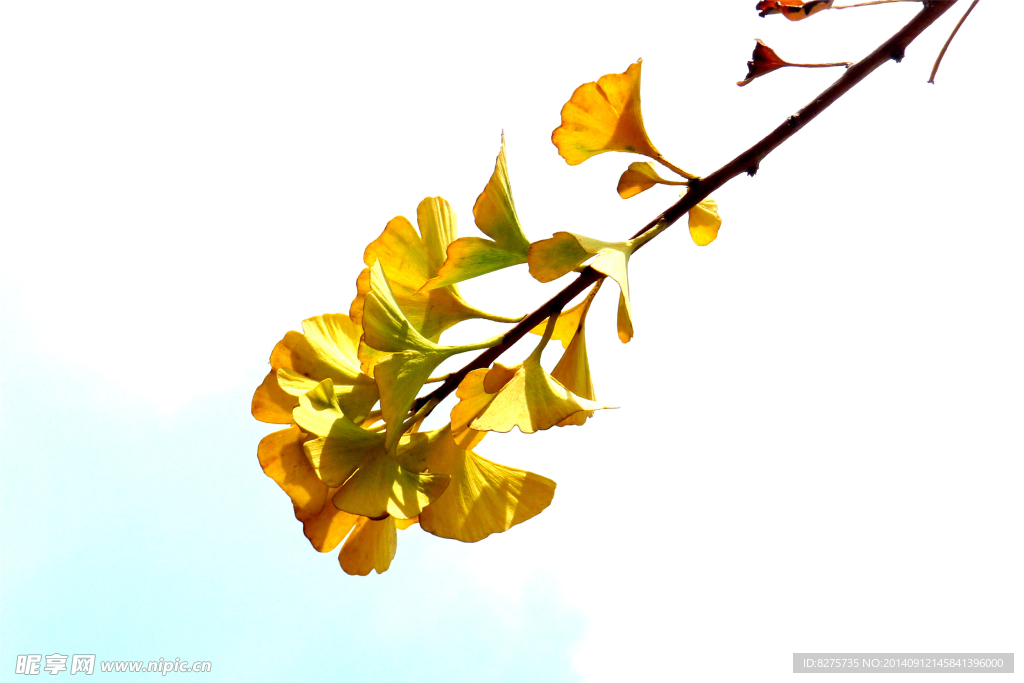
{"type": "Point", "coordinates": [818, 446]}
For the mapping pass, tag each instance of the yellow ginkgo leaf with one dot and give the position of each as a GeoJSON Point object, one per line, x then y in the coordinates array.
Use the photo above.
{"type": "Point", "coordinates": [330, 526]}
{"type": "Point", "coordinates": [553, 258]}
{"type": "Point", "coordinates": [705, 222]}
{"type": "Point", "coordinates": [271, 403]}
{"type": "Point", "coordinates": [473, 398]}
{"type": "Point", "coordinates": [365, 549]}
{"type": "Point", "coordinates": [573, 369]}
{"type": "Point", "coordinates": [641, 176]}
{"type": "Point", "coordinates": [410, 259]}
{"type": "Point", "coordinates": [327, 347]}
{"type": "Point", "coordinates": [484, 497]}
{"type": "Point", "coordinates": [371, 481]}
{"type": "Point", "coordinates": [531, 399]}
{"type": "Point", "coordinates": [495, 215]}
{"type": "Point", "coordinates": [370, 547]}
{"type": "Point", "coordinates": [605, 117]}
{"type": "Point", "coordinates": [283, 460]}
{"type": "Point", "coordinates": [413, 357]}
{"type": "Point", "coordinates": [569, 321]}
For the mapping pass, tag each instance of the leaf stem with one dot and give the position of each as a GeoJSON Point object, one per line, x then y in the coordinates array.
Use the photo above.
{"type": "Point", "coordinates": [818, 66]}
{"type": "Point", "coordinates": [549, 330]}
{"type": "Point", "coordinates": [675, 169]}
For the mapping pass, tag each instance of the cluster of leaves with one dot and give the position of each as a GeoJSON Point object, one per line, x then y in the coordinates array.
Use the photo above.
{"type": "Point", "coordinates": [353, 458]}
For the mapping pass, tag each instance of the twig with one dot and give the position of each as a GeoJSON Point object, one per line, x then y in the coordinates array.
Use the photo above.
{"type": "Point", "coordinates": [942, 52]}
{"type": "Point", "coordinates": [818, 66]}
{"type": "Point", "coordinates": [699, 189]}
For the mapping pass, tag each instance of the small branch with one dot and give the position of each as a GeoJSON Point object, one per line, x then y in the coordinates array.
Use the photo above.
{"type": "Point", "coordinates": [700, 188]}
{"type": "Point", "coordinates": [942, 52]}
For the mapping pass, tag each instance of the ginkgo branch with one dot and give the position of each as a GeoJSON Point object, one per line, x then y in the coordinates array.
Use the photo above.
{"type": "Point", "coordinates": [700, 188]}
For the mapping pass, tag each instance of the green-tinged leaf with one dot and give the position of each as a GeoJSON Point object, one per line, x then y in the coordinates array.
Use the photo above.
{"type": "Point", "coordinates": [401, 375]}
{"type": "Point", "coordinates": [371, 481]}
{"type": "Point", "coordinates": [409, 259]}
{"type": "Point", "coordinates": [327, 347]}
{"type": "Point", "coordinates": [495, 215]}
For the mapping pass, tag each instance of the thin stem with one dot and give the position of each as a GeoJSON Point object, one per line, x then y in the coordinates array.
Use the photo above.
{"type": "Point", "coordinates": [818, 66]}
{"type": "Point", "coordinates": [501, 318]}
{"type": "Point", "coordinates": [747, 162]}
{"type": "Point", "coordinates": [439, 378]}
{"type": "Point", "coordinates": [942, 52]}
{"type": "Point", "coordinates": [873, 2]}
{"type": "Point", "coordinates": [648, 235]}
{"type": "Point", "coordinates": [420, 414]}
{"type": "Point", "coordinates": [549, 330]}
{"type": "Point", "coordinates": [486, 344]}
{"type": "Point", "coordinates": [675, 169]}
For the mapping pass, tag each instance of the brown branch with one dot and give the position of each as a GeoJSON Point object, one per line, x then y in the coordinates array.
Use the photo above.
{"type": "Point", "coordinates": [942, 52]}
{"type": "Point", "coordinates": [699, 189]}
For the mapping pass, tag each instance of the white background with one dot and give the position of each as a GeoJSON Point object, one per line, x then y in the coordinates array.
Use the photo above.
{"type": "Point", "coordinates": [819, 440]}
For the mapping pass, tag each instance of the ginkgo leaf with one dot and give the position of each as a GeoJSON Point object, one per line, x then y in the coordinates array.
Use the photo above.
{"type": "Point", "coordinates": [413, 357]}
{"type": "Point", "coordinates": [641, 176]}
{"type": "Point", "coordinates": [484, 497]}
{"type": "Point", "coordinates": [368, 545]}
{"type": "Point", "coordinates": [705, 222]}
{"type": "Point", "coordinates": [473, 398]}
{"type": "Point", "coordinates": [605, 116]}
{"type": "Point", "coordinates": [495, 215]}
{"type": "Point", "coordinates": [573, 369]}
{"type": "Point", "coordinates": [553, 258]}
{"type": "Point", "coordinates": [531, 399]}
{"type": "Point", "coordinates": [330, 526]}
{"type": "Point", "coordinates": [476, 391]}
{"type": "Point", "coordinates": [409, 259]}
{"type": "Point", "coordinates": [283, 460]}
{"type": "Point", "coordinates": [765, 60]}
{"type": "Point", "coordinates": [794, 10]}
{"type": "Point", "coordinates": [327, 347]}
{"type": "Point", "coordinates": [271, 403]}
{"type": "Point", "coordinates": [568, 322]}
{"type": "Point", "coordinates": [371, 481]}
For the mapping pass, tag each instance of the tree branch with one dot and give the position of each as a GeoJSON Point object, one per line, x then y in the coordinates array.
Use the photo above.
{"type": "Point", "coordinates": [700, 188]}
